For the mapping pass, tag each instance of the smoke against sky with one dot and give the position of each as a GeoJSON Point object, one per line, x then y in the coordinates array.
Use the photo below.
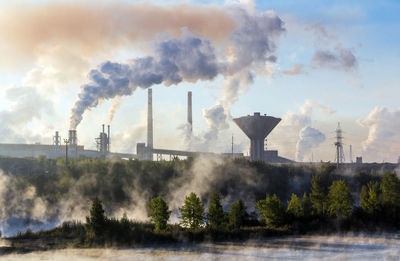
{"type": "Point", "coordinates": [383, 134]}
{"type": "Point", "coordinates": [291, 55]}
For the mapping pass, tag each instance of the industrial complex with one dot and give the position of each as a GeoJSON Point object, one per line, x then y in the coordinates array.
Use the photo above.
{"type": "Point", "coordinates": [256, 127]}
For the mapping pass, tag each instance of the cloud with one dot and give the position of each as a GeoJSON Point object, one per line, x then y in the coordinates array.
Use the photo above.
{"type": "Point", "coordinates": [56, 69]}
{"type": "Point", "coordinates": [297, 69]}
{"type": "Point", "coordinates": [383, 142]}
{"type": "Point", "coordinates": [94, 28]}
{"type": "Point", "coordinates": [26, 106]}
{"type": "Point", "coordinates": [340, 59]}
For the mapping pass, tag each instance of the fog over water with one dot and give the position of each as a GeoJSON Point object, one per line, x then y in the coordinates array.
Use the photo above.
{"type": "Point", "coordinates": [348, 247]}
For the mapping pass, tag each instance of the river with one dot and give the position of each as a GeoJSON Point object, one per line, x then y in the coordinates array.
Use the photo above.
{"type": "Point", "coordinates": [347, 247]}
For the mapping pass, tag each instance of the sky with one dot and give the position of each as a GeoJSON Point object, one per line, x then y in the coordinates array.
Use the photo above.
{"type": "Point", "coordinates": [70, 64]}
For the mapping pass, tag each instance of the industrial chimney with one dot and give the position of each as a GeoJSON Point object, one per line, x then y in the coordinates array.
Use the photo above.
{"type": "Point", "coordinates": [150, 124]}
{"type": "Point", "coordinates": [189, 112]}
{"type": "Point", "coordinates": [72, 138]}
{"type": "Point", "coordinates": [257, 128]}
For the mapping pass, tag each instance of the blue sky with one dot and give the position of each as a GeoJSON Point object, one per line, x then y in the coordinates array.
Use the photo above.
{"type": "Point", "coordinates": [369, 29]}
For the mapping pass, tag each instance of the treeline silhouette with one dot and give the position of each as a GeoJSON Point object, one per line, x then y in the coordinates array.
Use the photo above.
{"type": "Point", "coordinates": [329, 206]}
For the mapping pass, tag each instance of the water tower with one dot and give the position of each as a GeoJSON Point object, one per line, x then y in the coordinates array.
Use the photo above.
{"type": "Point", "coordinates": [257, 128]}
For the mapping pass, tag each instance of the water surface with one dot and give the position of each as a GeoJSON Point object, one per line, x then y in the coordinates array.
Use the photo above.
{"type": "Point", "coordinates": [349, 247]}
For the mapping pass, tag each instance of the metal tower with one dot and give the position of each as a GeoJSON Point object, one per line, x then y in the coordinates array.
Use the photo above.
{"type": "Point", "coordinates": [339, 146]}
{"type": "Point", "coordinates": [57, 140]}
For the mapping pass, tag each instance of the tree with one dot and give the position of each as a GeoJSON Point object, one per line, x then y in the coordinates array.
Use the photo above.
{"type": "Point", "coordinates": [159, 213]}
{"type": "Point", "coordinates": [369, 198]}
{"type": "Point", "coordinates": [216, 215]}
{"type": "Point", "coordinates": [272, 210]}
{"type": "Point", "coordinates": [306, 206]}
{"type": "Point", "coordinates": [237, 214]}
{"type": "Point", "coordinates": [192, 212]}
{"type": "Point", "coordinates": [317, 195]}
{"type": "Point", "coordinates": [390, 187]}
{"type": "Point", "coordinates": [339, 199]}
{"type": "Point", "coordinates": [96, 222]}
{"type": "Point", "coordinates": [294, 207]}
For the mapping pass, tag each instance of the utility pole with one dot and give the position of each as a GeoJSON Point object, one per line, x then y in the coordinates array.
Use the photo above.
{"type": "Point", "coordinates": [66, 141]}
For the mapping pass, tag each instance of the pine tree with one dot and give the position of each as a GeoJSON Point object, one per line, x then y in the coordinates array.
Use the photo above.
{"type": "Point", "coordinates": [192, 212]}
{"type": "Point", "coordinates": [390, 187]}
{"type": "Point", "coordinates": [306, 205]}
{"type": "Point", "coordinates": [369, 198]}
{"type": "Point", "coordinates": [294, 207]}
{"type": "Point", "coordinates": [272, 211]}
{"type": "Point", "coordinates": [216, 215]}
{"type": "Point", "coordinates": [96, 222]}
{"type": "Point", "coordinates": [317, 196]}
{"type": "Point", "coordinates": [237, 214]}
{"type": "Point", "coordinates": [339, 199]}
{"type": "Point", "coordinates": [159, 213]}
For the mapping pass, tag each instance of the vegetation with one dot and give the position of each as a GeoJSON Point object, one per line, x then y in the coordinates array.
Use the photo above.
{"type": "Point", "coordinates": [216, 216]}
{"type": "Point", "coordinates": [287, 199]}
{"type": "Point", "coordinates": [237, 214]}
{"type": "Point", "coordinates": [192, 212]}
{"type": "Point", "coordinates": [159, 213]}
{"type": "Point", "coordinates": [272, 211]}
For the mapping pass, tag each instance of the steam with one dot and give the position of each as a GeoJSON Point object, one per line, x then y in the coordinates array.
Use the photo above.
{"type": "Point", "coordinates": [308, 138]}
{"type": "Point", "coordinates": [299, 124]}
{"type": "Point", "coordinates": [113, 109]}
{"type": "Point", "coordinates": [250, 52]}
{"type": "Point", "coordinates": [95, 28]}
{"type": "Point", "coordinates": [186, 59]}
{"type": "Point", "coordinates": [383, 141]}
{"type": "Point", "coordinates": [189, 58]}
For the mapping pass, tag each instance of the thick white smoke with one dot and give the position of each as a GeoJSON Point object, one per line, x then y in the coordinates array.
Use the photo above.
{"type": "Point", "coordinates": [175, 60]}
{"type": "Point", "coordinates": [383, 142]}
{"type": "Point", "coordinates": [248, 49]}
{"type": "Point", "coordinates": [299, 124]}
{"type": "Point", "coordinates": [308, 138]}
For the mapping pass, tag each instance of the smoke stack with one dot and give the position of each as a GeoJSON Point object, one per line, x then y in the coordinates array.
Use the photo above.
{"type": "Point", "coordinates": [108, 138]}
{"type": "Point", "coordinates": [189, 112]}
{"type": "Point", "coordinates": [150, 119]}
{"type": "Point", "coordinates": [72, 137]}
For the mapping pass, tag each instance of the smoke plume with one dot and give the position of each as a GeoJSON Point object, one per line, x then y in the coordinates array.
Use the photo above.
{"type": "Point", "coordinates": [250, 52]}
{"type": "Point", "coordinates": [383, 142]}
{"type": "Point", "coordinates": [186, 59]}
{"type": "Point", "coordinates": [94, 28]}
{"type": "Point", "coordinates": [113, 109]}
{"type": "Point", "coordinates": [308, 138]}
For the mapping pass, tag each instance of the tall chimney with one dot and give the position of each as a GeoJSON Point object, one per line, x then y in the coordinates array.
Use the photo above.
{"type": "Point", "coordinates": [189, 112]}
{"type": "Point", "coordinates": [150, 119]}
{"type": "Point", "coordinates": [108, 138]}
